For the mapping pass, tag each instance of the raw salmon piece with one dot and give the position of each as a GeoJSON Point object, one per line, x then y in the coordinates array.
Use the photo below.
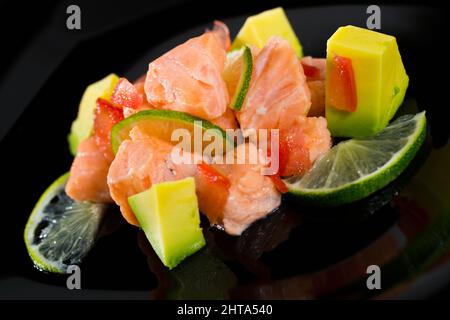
{"type": "Point", "coordinates": [226, 121]}
{"type": "Point", "coordinates": [318, 136]}
{"type": "Point", "coordinates": [212, 189]}
{"type": "Point", "coordinates": [317, 89]}
{"type": "Point", "coordinates": [308, 139]}
{"type": "Point", "coordinates": [141, 79]}
{"type": "Point", "coordinates": [188, 78]}
{"type": "Point", "coordinates": [221, 31]}
{"type": "Point", "coordinates": [315, 71]}
{"type": "Point", "coordinates": [251, 195]}
{"type": "Point", "coordinates": [139, 84]}
{"type": "Point", "coordinates": [314, 68]}
{"type": "Point", "coordinates": [255, 50]}
{"type": "Point", "coordinates": [87, 181]}
{"type": "Point", "coordinates": [278, 93]}
{"type": "Point", "coordinates": [139, 163]}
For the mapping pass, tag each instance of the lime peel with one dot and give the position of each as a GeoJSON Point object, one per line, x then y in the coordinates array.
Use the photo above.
{"type": "Point", "coordinates": [244, 81]}
{"type": "Point", "coordinates": [367, 183]}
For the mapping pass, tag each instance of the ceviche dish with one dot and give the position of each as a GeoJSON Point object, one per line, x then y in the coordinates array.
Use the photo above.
{"type": "Point", "coordinates": [225, 130]}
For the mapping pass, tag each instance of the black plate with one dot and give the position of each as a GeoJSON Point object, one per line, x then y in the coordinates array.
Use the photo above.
{"type": "Point", "coordinates": [296, 252]}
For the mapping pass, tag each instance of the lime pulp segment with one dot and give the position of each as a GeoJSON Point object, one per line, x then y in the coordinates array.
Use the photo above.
{"type": "Point", "coordinates": [60, 231]}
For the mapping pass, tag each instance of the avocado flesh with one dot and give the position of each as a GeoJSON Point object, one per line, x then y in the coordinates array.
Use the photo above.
{"type": "Point", "coordinates": [168, 213]}
{"type": "Point", "coordinates": [258, 29]}
{"type": "Point", "coordinates": [380, 77]}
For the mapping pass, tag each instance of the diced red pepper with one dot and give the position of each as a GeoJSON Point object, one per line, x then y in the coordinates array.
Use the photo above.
{"type": "Point", "coordinates": [294, 154]}
{"type": "Point", "coordinates": [105, 117]}
{"type": "Point", "coordinates": [283, 155]}
{"type": "Point", "coordinates": [125, 95]}
{"type": "Point", "coordinates": [279, 184]}
{"type": "Point", "coordinates": [310, 71]}
{"type": "Point", "coordinates": [341, 88]}
{"type": "Point", "coordinates": [213, 175]}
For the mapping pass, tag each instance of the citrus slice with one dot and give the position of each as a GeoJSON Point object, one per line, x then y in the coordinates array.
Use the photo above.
{"type": "Point", "coordinates": [237, 74]}
{"type": "Point", "coordinates": [60, 231]}
{"type": "Point", "coordinates": [356, 168]}
{"type": "Point", "coordinates": [162, 124]}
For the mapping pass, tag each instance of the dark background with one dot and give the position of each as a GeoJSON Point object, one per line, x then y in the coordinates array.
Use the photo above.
{"type": "Point", "coordinates": [35, 41]}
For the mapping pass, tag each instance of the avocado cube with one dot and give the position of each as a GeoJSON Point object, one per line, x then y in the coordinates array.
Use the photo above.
{"type": "Point", "coordinates": [258, 29]}
{"type": "Point", "coordinates": [380, 78]}
{"type": "Point", "coordinates": [168, 213]}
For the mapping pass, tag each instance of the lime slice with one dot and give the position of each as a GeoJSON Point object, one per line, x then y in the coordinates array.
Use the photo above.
{"type": "Point", "coordinates": [60, 231]}
{"type": "Point", "coordinates": [237, 74]}
{"type": "Point", "coordinates": [162, 123]}
{"type": "Point", "coordinates": [356, 168]}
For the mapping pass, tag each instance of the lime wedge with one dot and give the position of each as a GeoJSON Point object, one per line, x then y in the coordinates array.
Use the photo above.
{"type": "Point", "coordinates": [356, 168]}
{"type": "Point", "coordinates": [237, 74]}
{"type": "Point", "coordinates": [60, 231]}
{"type": "Point", "coordinates": [161, 124]}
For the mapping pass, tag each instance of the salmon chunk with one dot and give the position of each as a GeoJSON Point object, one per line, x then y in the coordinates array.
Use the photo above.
{"type": "Point", "coordinates": [278, 93]}
{"type": "Point", "coordinates": [226, 121]}
{"type": "Point", "coordinates": [220, 30]}
{"type": "Point", "coordinates": [317, 89]}
{"type": "Point", "coordinates": [140, 162]}
{"type": "Point", "coordinates": [188, 78]}
{"type": "Point", "coordinates": [87, 181]}
{"type": "Point", "coordinates": [251, 195]}
{"type": "Point", "coordinates": [315, 72]}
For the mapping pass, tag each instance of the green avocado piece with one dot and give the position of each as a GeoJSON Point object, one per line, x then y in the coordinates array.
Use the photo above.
{"type": "Point", "coordinates": [168, 213]}
{"type": "Point", "coordinates": [258, 29]}
{"type": "Point", "coordinates": [82, 126]}
{"type": "Point", "coordinates": [380, 79]}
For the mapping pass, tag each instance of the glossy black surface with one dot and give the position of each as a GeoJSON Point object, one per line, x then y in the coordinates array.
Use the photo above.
{"type": "Point", "coordinates": [296, 252]}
